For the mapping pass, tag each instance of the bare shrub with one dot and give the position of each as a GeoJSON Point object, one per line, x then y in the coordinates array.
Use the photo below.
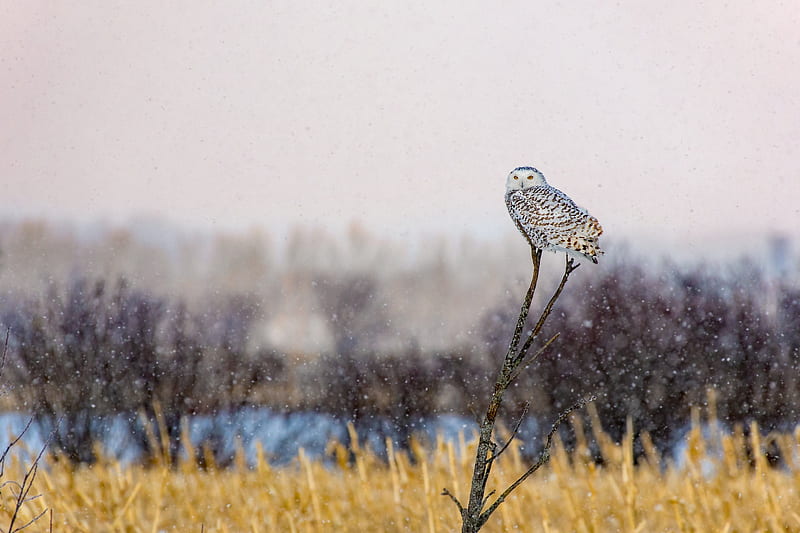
{"type": "Point", "coordinates": [92, 352]}
{"type": "Point", "coordinates": [20, 490]}
{"type": "Point", "coordinates": [650, 343]}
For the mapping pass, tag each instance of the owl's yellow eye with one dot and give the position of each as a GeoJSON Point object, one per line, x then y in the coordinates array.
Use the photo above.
{"type": "Point", "coordinates": [516, 177]}
{"type": "Point", "coordinates": [530, 177]}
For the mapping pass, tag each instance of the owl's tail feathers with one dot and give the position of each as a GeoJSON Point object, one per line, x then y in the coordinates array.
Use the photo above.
{"type": "Point", "coordinates": [584, 246]}
{"type": "Point", "coordinates": [592, 227]}
{"type": "Point", "coordinates": [581, 242]}
{"type": "Point", "coordinates": [584, 243]}
{"type": "Point", "coordinates": [587, 244]}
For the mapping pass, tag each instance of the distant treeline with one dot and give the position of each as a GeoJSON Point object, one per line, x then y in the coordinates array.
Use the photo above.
{"type": "Point", "coordinates": [648, 341]}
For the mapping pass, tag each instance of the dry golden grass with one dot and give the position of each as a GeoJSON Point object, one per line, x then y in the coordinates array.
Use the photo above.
{"type": "Point", "coordinates": [571, 493]}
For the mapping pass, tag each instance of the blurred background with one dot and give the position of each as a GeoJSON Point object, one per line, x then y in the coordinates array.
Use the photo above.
{"type": "Point", "coordinates": [268, 219]}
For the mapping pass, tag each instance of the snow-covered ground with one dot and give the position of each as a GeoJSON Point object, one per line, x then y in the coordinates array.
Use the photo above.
{"type": "Point", "coordinates": [281, 435]}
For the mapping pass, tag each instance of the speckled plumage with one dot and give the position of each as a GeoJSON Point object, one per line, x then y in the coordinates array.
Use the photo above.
{"type": "Point", "coordinates": [548, 218]}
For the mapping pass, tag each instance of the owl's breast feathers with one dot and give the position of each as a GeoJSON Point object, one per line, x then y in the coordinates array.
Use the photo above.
{"type": "Point", "coordinates": [550, 220]}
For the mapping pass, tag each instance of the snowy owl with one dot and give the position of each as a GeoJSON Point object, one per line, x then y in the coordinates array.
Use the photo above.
{"type": "Point", "coordinates": [548, 218]}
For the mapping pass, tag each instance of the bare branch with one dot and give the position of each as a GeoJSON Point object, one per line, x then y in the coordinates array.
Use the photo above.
{"type": "Point", "coordinates": [24, 488]}
{"type": "Point", "coordinates": [446, 492]}
{"type": "Point", "coordinates": [544, 456]}
{"type": "Point", "coordinates": [536, 256]}
{"type": "Point", "coordinates": [523, 364]}
{"type": "Point", "coordinates": [568, 269]}
{"type": "Point", "coordinates": [473, 515]}
{"type": "Point", "coordinates": [11, 445]}
{"type": "Point", "coordinates": [12, 483]}
{"type": "Point", "coordinates": [513, 433]}
{"type": "Point", "coordinates": [486, 499]}
{"type": "Point", "coordinates": [27, 483]}
{"type": "Point", "coordinates": [5, 351]}
{"type": "Point", "coordinates": [32, 520]}
{"type": "Point", "coordinates": [487, 467]}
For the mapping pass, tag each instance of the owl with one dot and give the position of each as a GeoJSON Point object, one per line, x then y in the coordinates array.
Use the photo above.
{"type": "Point", "coordinates": [548, 218]}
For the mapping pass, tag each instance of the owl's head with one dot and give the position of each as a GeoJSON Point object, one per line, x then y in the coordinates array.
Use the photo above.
{"type": "Point", "coordinates": [524, 178]}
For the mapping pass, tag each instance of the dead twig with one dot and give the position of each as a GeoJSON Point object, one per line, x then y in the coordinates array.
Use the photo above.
{"type": "Point", "coordinates": [24, 488]}
{"type": "Point", "coordinates": [5, 352]}
{"type": "Point", "coordinates": [527, 361]}
{"type": "Point", "coordinates": [11, 445]}
{"type": "Point", "coordinates": [446, 492]}
{"type": "Point", "coordinates": [513, 433]}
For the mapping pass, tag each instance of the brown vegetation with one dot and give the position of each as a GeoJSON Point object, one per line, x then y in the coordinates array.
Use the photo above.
{"type": "Point", "coordinates": [725, 484]}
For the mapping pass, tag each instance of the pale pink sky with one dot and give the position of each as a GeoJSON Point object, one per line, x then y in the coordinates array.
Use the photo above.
{"type": "Point", "coordinates": [670, 119]}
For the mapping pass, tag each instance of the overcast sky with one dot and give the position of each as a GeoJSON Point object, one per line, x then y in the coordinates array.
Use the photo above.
{"type": "Point", "coordinates": [676, 119]}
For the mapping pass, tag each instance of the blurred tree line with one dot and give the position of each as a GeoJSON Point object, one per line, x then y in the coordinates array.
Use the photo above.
{"type": "Point", "coordinates": [648, 340]}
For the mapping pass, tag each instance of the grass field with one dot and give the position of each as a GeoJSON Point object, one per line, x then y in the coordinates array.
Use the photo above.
{"type": "Point", "coordinates": [718, 488]}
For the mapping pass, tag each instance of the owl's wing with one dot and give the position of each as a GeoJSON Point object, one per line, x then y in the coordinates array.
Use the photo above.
{"type": "Point", "coordinates": [528, 213]}
{"type": "Point", "coordinates": [541, 206]}
{"type": "Point", "coordinates": [552, 213]}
